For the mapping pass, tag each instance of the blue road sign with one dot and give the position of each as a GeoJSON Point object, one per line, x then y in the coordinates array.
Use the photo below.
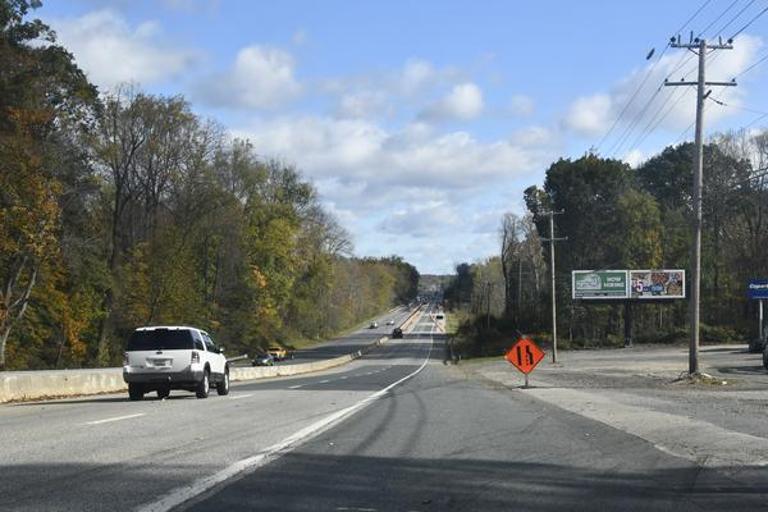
{"type": "Point", "coordinates": [757, 289]}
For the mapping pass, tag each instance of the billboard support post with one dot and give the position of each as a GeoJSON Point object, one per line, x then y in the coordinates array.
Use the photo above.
{"type": "Point", "coordinates": [627, 324]}
{"type": "Point", "coordinates": [760, 332]}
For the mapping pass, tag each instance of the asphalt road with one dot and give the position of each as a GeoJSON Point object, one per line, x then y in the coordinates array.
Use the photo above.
{"type": "Point", "coordinates": [353, 342]}
{"type": "Point", "coordinates": [395, 430]}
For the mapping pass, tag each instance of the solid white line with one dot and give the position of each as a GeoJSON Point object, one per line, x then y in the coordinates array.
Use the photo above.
{"type": "Point", "coordinates": [183, 494]}
{"type": "Point", "coordinates": [297, 386]}
{"type": "Point", "coordinates": [238, 397]}
{"type": "Point", "coordinates": [117, 418]}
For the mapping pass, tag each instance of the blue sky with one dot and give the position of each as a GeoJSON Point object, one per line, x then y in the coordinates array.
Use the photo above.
{"type": "Point", "coordinates": [421, 122]}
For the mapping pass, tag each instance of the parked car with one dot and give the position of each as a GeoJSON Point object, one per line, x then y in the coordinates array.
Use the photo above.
{"type": "Point", "coordinates": [265, 359]}
{"type": "Point", "coordinates": [397, 333]}
{"type": "Point", "coordinates": [162, 358]}
{"type": "Point", "coordinates": [374, 325]}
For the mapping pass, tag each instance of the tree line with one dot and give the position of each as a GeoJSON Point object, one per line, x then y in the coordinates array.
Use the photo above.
{"type": "Point", "coordinates": [617, 217]}
{"type": "Point", "coordinates": [123, 209]}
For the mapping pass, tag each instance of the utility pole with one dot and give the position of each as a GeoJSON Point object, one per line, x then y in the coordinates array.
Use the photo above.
{"type": "Point", "coordinates": [700, 47]}
{"type": "Point", "coordinates": [488, 288]}
{"type": "Point", "coordinates": [552, 241]}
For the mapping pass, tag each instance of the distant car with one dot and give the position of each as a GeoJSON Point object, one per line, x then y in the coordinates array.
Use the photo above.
{"type": "Point", "coordinates": [162, 358]}
{"type": "Point", "coordinates": [374, 325]}
{"type": "Point", "coordinates": [265, 359]}
{"type": "Point", "coordinates": [279, 353]}
{"type": "Point", "coordinates": [390, 322]}
{"type": "Point", "coordinates": [397, 333]}
{"type": "Point", "coordinates": [439, 317]}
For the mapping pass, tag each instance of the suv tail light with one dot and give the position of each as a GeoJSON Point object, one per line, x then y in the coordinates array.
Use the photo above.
{"type": "Point", "coordinates": [195, 357]}
{"type": "Point", "coordinates": [125, 358]}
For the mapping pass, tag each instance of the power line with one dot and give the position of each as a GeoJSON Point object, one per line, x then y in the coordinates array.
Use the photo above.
{"type": "Point", "coordinates": [750, 22]}
{"type": "Point", "coordinates": [718, 18]}
{"type": "Point", "coordinates": [648, 74]}
{"type": "Point", "coordinates": [750, 68]}
{"type": "Point", "coordinates": [749, 4]}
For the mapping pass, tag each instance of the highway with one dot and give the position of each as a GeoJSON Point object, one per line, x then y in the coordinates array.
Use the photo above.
{"type": "Point", "coordinates": [397, 430]}
{"type": "Point", "coordinates": [353, 342]}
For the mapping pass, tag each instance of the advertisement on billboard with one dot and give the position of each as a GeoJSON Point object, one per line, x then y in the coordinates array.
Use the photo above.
{"type": "Point", "coordinates": [600, 284]}
{"type": "Point", "coordinates": [657, 284]}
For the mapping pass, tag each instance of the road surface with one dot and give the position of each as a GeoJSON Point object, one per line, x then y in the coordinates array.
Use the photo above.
{"type": "Point", "coordinates": [397, 430]}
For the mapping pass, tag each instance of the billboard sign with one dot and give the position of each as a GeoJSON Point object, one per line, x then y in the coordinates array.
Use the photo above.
{"type": "Point", "coordinates": [757, 289]}
{"type": "Point", "coordinates": [600, 284]}
{"type": "Point", "coordinates": [657, 284]}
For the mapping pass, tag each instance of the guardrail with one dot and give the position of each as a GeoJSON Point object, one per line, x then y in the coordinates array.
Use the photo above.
{"type": "Point", "coordinates": [35, 385]}
{"type": "Point", "coordinates": [17, 386]}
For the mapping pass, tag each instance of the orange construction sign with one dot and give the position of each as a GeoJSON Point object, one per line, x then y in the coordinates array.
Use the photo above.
{"type": "Point", "coordinates": [525, 355]}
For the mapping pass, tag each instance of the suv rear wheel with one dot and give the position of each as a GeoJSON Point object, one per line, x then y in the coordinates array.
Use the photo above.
{"type": "Point", "coordinates": [204, 386]}
{"type": "Point", "coordinates": [222, 388]}
{"type": "Point", "coordinates": [163, 392]}
{"type": "Point", "coordinates": [135, 391]}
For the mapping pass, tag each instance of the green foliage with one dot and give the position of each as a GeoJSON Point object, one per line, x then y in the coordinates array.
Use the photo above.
{"type": "Point", "coordinates": [128, 209]}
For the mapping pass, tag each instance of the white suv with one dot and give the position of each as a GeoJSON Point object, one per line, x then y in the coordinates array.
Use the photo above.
{"type": "Point", "coordinates": [162, 358]}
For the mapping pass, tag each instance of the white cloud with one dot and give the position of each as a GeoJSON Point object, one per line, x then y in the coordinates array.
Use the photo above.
{"type": "Point", "coordinates": [589, 115]}
{"type": "Point", "coordinates": [671, 108]}
{"type": "Point", "coordinates": [363, 104]}
{"type": "Point", "coordinates": [415, 76]}
{"type": "Point", "coordinates": [111, 51]}
{"type": "Point", "coordinates": [362, 166]}
{"type": "Point", "coordinates": [420, 221]}
{"type": "Point", "coordinates": [635, 158]}
{"type": "Point", "coordinates": [262, 77]}
{"type": "Point", "coordinates": [464, 101]}
{"type": "Point", "coordinates": [521, 105]}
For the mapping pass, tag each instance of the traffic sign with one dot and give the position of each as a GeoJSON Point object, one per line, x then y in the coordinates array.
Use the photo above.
{"type": "Point", "coordinates": [525, 355]}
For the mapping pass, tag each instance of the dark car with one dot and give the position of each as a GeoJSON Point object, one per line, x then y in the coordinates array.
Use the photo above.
{"type": "Point", "coordinates": [397, 333]}
{"type": "Point", "coordinates": [265, 359]}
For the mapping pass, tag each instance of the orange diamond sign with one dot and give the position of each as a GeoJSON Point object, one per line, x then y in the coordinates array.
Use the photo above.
{"type": "Point", "coordinates": [525, 355]}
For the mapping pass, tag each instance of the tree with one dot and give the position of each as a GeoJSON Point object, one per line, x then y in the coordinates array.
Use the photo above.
{"type": "Point", "coordinates": [42, 96]}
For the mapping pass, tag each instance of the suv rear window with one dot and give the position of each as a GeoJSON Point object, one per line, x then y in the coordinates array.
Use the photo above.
{"type": "Point", "coordinates": [160, 339]}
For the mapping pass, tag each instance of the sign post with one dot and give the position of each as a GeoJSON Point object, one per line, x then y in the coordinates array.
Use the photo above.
{"type": "Point", "coordinates": [757, 289]}
{"type": "Point", "coordinates": [524, 355]}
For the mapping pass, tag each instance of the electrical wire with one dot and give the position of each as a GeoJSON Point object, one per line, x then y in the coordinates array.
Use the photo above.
{"type": "Point", "coordinates": [718, 18]}
{"type": "Point", "coordinates": [648, 74]}
{"type": "Point", "coordinates": [750, 22]}
{"type": "Point", "coordinates": [749, 4]}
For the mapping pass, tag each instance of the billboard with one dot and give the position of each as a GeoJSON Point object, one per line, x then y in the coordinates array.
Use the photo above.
{"type": "Point", "coordinates": [657, 284]}
{"type": "Point", "coordinates": [599, 284]}
{"type": "Point", "coordinates": [757, 289]}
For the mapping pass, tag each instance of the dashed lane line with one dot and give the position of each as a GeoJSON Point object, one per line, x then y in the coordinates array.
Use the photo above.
{"type": "Point", "coordinates": [116, 418]}
{"type": "Point", "coordinates": [186, 493]}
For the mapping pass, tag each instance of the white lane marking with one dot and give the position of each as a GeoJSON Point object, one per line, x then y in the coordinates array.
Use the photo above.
{"type": "Point", "coordinates": [343, 378]}
{"type": "Point", "coordinates": [183, 494]}
{"type": "Point", "coordinates": [238, 397]}
{"type": "Point", "coordinates": [116, 418]}
{"type": "Point", "coordinates": [297, 386]}
{"type": "Point", "coordinates": [326, 381]}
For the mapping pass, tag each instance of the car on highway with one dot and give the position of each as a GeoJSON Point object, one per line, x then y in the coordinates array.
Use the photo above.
{"type": "Point", "coordinates": [397, 333]}
{"type": "Point", "coordinates": [162, 358]}
{"type": "Point", "coordinates": [374, 325]}
{"type": "Point", "coordinates": [280, 353]}
{"type": "Point", "coordinates": [265, 359]}
{"type": "Point", "coordinates": [390, 322]}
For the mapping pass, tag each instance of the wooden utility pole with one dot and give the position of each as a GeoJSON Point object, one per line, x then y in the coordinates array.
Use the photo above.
{"type": "Point", "coordinates": [701, 47]}
{"type": "Point", "coordinates": [552, 241]}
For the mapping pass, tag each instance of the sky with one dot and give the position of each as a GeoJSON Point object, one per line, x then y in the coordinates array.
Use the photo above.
{"type": "Point", "coordinates": [421, 123]}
